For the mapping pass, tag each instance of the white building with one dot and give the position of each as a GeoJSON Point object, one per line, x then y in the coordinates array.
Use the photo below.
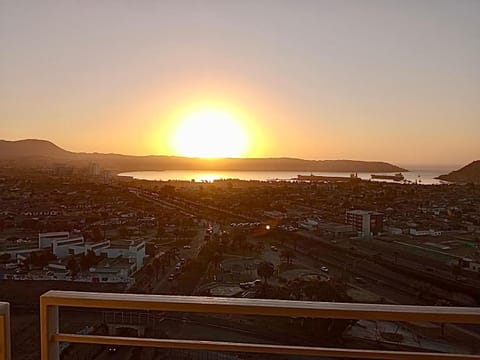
{"type": "Point", "coordinates": [61, 248]}
{"type": "Point", "coordinates": [63, 245]}
{"type": "Point", "coordinates": [112, 270]}
{"type": "Point", "coordinates": [84, 248]}
{"type": "Point", "coordinates": [334, 230]}
{"type": "Point", "coordinates": [132, 250]}
{"type": "Point", "coordinates": [429, 232]}
{"type": "Point", "coordinates": [45, 240]}
{"type": "Point", "coordinates": [470, 264]}
{"type": "Point", "coordinates": [393, 230]}
{"type": "Point", "coordinates": [59, 243]}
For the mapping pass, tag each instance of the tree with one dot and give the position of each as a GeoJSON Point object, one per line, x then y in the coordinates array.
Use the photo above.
{"type": "Point", "coordinates": [224, 241]}
{"type": "Point", "coordinates": [41, 259]}
{"type": "Point", "coordinates": [216, 258]}
{"type": "Point", "coordinates": [89, 260]}
{"type": "Point", "coordinates": [156, 267]}
{"type": "Point", "coordinates": [73, 266]}
{"type": "Point", "coordinates": [124, 232]}
{"type": "Point", "coordinates": [288, 255]}
{"type": "Point", "coordinates": [239, 238]}
{"type": "Point", "coordinates": [97, 234]}
{"type": "Point", "coordinates": [456, 271]}
{"type": "Point", "coordinates": [4, 257]}
{"type": "Point", "coordinates": [160, 231]}
{"type": "Point", "coordinates": [265, 270]}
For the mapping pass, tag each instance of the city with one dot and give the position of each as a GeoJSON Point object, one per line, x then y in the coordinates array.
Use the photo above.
{"type": "Point", "coordinates": [353, 241]}
{"type": "Point", "coordinates": [239, 180]}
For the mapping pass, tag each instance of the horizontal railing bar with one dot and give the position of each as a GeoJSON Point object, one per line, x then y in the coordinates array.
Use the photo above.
{"type": "Point", "coordinates": [259, 348]}
{"type": "Point", "coordinates": [263, 307]}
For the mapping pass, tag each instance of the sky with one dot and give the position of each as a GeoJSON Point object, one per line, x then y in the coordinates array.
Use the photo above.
{"type": "Point", "coordinates": [395, 81]}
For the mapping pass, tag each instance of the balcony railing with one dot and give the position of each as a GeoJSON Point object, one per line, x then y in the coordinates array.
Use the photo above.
{"type": "Point", "coordinates": [52, 300]}
{"type": "Point", "coordinates": [4, 331]}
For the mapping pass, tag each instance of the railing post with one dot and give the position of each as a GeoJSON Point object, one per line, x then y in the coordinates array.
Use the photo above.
{"type": "Point", "coordinates": [5, 350]}
{"type": "Point", "coordinates": [50, 349]}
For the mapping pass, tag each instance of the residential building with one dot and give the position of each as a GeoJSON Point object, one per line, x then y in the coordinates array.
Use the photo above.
{"type": "Point", "coordinates": [366, 223]}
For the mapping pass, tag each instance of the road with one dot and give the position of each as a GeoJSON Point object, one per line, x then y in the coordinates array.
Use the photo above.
{"type": "Point", "coordinates": [191, 208]}
{"type": "Point", "coordinates": [163, 284]}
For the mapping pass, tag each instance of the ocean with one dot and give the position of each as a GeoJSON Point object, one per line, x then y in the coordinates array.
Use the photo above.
{"type": "Point", "coordinates": [426, 177]}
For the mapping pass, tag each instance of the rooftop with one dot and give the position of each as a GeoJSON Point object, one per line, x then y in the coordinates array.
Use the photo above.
{"type": "Point", "coordinates": [363, 212]}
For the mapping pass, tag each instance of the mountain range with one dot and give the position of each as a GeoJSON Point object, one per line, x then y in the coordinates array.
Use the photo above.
{"type": "Point", "coordinates": [34, 152]}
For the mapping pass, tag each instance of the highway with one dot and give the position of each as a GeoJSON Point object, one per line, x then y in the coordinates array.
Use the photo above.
{"type": "Point", "coordinates": [163, 284]}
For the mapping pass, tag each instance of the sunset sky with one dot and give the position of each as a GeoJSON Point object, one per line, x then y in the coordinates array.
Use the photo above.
{"type": "Point", "coordinates": [396, 81]}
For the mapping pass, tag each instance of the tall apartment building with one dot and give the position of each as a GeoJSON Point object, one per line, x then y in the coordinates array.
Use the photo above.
{"type": "Point", "coordinates": [367, 223]}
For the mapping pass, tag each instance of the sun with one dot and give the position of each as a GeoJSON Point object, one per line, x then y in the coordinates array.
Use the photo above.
{"type": "Point", "coordinates": [210, 133]}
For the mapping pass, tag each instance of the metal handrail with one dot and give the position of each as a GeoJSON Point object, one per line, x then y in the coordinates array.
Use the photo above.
{"type": "Point", "coordinates": [50, 335]}
{"type": "Point", "coordinates": [5, 350]}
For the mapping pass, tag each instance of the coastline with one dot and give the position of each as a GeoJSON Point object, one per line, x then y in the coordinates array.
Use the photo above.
{"type": "Point", "coordinates": [420, 177]}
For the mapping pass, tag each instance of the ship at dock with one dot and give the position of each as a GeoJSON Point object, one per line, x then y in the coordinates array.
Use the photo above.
{"type": "Point", "coordinates": [311, 177]}
{"type": "Point", "coordinates": [396, 177]}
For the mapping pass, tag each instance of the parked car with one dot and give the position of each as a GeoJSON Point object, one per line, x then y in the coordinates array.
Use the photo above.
{"type": "Point", "coordinates": [256, 282]}
{"type": "Point", "coordinates": [274, 248]}
{"type": "Point", "coordinates": [186, 247]}
{"type": "Point", "coordinates": [250, 284]}
{"type": "Point", "coordinates": [324, 269]}
{"type": "Point", "coordinates": [360, 280]}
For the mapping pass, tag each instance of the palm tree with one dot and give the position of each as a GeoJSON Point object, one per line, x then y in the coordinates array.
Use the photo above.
{"type": "Point", "coordinates": [288, 255]}
{"type": "Point", "coordinates": [216, 258]}
{"type": "Point", "coordinates": [456, 271]}
{"type": "Point", "coordinates": [73, 266]}
{"type": "Point", "coordinates": [156, 267]}
{"type": "Point", "coordinates": [239, 239]}
{"type": "Point", "coordinates": [265, 270]}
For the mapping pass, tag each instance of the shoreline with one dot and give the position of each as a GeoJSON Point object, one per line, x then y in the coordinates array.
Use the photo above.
{"type": "Point", "coordinates": [425, 177]}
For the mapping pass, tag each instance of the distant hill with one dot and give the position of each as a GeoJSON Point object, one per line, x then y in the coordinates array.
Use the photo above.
{"type": "Point", "coordinates": [30, 148]}
{"type": "Point", "coordinates": [42, 152]}
{"type": "Point", "coordinates": [467, 174]}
